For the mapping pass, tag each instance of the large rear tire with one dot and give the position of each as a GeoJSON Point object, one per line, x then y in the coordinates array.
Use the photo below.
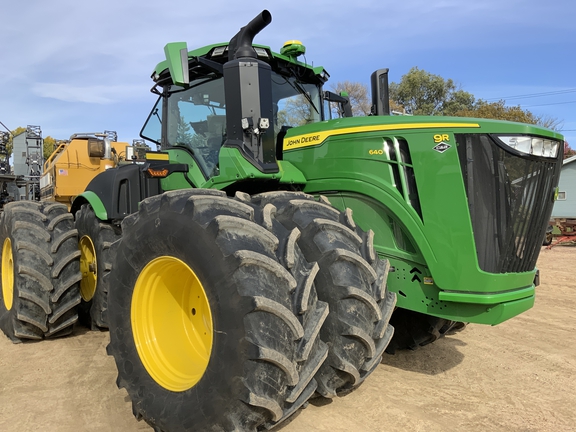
{"type": "Point", "coordinates": [95, 243]}
{"type": "Point", "coordinates": [213, 314]}
{"type": "Point", "coordinates": [40, 271]}
{"type": "Point", "coordinates": [351, 279]}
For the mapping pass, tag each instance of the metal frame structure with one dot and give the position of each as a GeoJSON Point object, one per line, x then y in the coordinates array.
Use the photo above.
{"type": "Point", "coordinates": [34, 160]}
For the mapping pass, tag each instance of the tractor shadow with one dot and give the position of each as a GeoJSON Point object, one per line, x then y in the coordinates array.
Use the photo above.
{"type": "Point", "coordinates": [81, 329]}
{"type": "Point", "coordinates": [432, 359]}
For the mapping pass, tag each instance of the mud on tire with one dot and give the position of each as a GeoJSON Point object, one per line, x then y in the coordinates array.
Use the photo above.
{"type": "Point", "coordinates": [97, 237]}
{"type": "Point", "coordinates": [351, 279]}
{"type": "Point", "coordinates": [40, 271]}
{"type": "Point", "coordinates": [260, 308]}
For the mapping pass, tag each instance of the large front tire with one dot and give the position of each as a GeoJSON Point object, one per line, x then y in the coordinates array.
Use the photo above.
{"type": "Point", "coordinates": [415, 329]}
{"type": "Point", "coordinates": [213, 314]}
{"type": "Point", "coordinates": [351, 279]}
{"type": "Point", "coordinates": [95, 239]}
{"type": "Point", "coordinates": [40, 271]}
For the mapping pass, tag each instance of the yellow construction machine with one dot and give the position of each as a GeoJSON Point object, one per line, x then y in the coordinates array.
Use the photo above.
{"type": "Point", "coordinates": [75, 162]}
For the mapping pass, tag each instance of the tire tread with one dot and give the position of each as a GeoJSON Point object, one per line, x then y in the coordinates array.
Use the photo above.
{"type": "Point", "coordinates": [276, 299]}
{"type": "Point", "coordinates": [351, 279]}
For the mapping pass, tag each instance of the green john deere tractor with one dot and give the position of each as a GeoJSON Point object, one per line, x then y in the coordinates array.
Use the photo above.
{"type": "Point", "coordinates": [260, 256]}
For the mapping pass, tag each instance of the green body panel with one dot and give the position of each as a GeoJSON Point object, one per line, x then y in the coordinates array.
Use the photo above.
{"type": "Point", "coordinates": [352, 160]}
{"type": "Point", "coordinates": [173, 56]}
{"type": "Point", "coordinates": [233, 168]}
{"type": "Point", "coordinates": [422, 297]}
{"type": "Point", "coordinates": [487, 298]}
{"type": "Point", "coordinates": [432, 251]}
{"type": "Point", "coordinates": [174, 52]}
{"type": "Point", "coordinates": [177, 180]}
{"type": "Point", "coordinates": [95, 203]}
{"type": "Point", "coordinates": [434, 265]}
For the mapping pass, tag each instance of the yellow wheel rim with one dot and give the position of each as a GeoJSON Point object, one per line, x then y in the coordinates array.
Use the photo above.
{"type": "Point", "coordinates": [7, 274]}
{"type": "Point", "coordinates": [171, 323]}
{"type": "Point", "coordinates": [88, 268]}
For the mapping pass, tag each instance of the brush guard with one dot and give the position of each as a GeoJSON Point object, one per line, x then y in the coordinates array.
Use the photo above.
{"type": "Point", "coordinates": [510, 198]}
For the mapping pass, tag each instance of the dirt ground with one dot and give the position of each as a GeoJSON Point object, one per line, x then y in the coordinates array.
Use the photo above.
{"type": "Point", "coordinates": [518, 376]}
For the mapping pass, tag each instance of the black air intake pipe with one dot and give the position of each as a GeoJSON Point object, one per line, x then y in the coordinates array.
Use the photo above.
{"type": "Point", "coordinates": [241, 44]}
{"type": "Point", "coordinates": [248, 95]}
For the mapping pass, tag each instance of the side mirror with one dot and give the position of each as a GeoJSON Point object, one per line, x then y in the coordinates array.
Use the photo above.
{"type": "Point", "coordinates": [341, 99]}
{"type": "Point", "coordinates": [177, 57]}
{"type": "Point", "coordinates": [380, 92]}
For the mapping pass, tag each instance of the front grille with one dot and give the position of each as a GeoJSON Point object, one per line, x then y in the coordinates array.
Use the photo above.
{"type": "Point", "coordinates": [510, 198]}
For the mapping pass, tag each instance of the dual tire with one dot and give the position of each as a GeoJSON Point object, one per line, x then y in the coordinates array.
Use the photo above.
{"type": "Point", "coordinates": [40, 271]}
{"type": "Point", "coordinates": [225, 313]}
{"type": "Point", "coordinates": [53, 269]}
{"type": "Point", "coordinates": [230, 313]}
{"type": "Point", "coordinates": [95, 240]}
{"type": "Point", "coordinates": [352, 280]}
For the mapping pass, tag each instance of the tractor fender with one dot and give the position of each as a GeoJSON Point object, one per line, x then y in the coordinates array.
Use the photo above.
{"type": "Point", "coordinates": [89, 197]}
{"type": "Point", "coordinates": [116, 193]}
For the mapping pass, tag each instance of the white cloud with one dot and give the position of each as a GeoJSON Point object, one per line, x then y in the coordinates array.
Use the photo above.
{"type": "Point", "coordinates": [97, 94]}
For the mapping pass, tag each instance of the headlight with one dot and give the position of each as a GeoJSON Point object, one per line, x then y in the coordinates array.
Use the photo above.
{"type": "Point", "coordinates": [261, 52]}
{"type": "Point", "coordinates": [532, 145]}
{"type": "Point", "coordinates": [219, 51]}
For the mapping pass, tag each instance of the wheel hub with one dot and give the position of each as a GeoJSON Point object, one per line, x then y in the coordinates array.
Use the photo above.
{"type": "Point", "coordinates": [88, 268]}
{"type": "Point", "coordinates": [7, 274]}
{"type": "Point", "coordinates": [172, 323]}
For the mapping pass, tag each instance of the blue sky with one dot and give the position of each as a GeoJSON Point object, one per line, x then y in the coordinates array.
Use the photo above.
{"type": "Point", "coordinates": [75, 66]}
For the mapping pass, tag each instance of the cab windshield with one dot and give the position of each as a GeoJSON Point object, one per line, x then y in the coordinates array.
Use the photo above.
{"type": "Point", "coordinates": [195, 117]}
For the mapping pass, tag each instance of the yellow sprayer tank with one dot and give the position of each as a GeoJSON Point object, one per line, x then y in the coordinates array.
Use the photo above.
{"type": "Point", "coordinates": [76, 162]}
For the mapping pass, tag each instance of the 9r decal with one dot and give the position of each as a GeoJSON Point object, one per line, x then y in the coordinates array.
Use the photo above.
{"type": "Point", "coordinates": [438, 138]}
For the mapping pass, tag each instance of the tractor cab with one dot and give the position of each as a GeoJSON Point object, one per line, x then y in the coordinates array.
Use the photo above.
{"type": "Point", "coordinates": [197, 90]}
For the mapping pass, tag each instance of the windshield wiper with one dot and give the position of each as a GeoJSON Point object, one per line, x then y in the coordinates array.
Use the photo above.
{"type": "Point", "coordinates": [298, 87]}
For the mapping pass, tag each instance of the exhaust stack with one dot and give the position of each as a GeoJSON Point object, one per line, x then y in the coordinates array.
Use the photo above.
{"type": "Point", "coordinates": [241, 44]}
{"type": "Point", "coordinates": [248, 93]}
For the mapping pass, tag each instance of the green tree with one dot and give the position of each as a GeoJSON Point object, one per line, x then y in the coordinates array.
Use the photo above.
{"type": "Point", "coordinates": [499, 110]}
{"type": "Point", "coordinates": [184, 134]}
{"type": "Point", "coordinates": [297, 111]}
{"type": "Point", "coordinates": [422, 93]}
{"type": "Point", "coordinates": [49, 146]}
{"type": "Point", "coordinates": [548, 122]}
{"type": "Point", "coordinates": [10, 145]}
{"type": "Point", "coordinates": [49, 143]}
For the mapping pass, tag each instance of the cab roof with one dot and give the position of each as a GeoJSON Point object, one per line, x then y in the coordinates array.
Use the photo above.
{"type": "Point", "coordinates": [218, 53]}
